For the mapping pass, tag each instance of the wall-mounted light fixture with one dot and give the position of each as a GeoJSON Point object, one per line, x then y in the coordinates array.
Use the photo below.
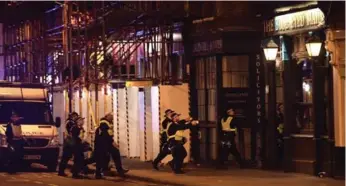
{"type": "Point", "coordinates": [313, 46]}
{"type": "Point", "coordinates": [271, 51]}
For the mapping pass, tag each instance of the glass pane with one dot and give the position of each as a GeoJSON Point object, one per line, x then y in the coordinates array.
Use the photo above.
{"type": "Point", "coordinates": [211, 64]}
{"type": "Point", "coordinates": [201, 113]}
{"type": "Point", "coordinates": [304, 123]}
{"type": "Point", "coordinates": [307, 95]}
{"type": "Point", "coordinates": [226, 80]}
{"type": "Point", "coordinates": [211, 97]}
{"type": "Point", "coordinates": [235, 80]}
{"type": "Point", "coordinates": [279, 95]}
{"type": "Point", "coordinates": [211, 80]}
{"type": "Point", "coordinates": [201, 97]}
{"type": "Point", "coordinates": [235, 71]}
{"type": "Point", "coordinates": [211, 113]}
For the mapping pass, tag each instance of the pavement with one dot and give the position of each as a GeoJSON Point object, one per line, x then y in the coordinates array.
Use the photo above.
{"type": "Point", "coordinates": [205, 176]}
{"type": "Point", "coordinates": [142, 174]}
{"type": "Point", "coordinates": [38, 176]}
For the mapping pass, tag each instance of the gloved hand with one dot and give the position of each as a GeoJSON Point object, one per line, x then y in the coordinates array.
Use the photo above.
{"type": "Point", "coordinates": [195, 122]}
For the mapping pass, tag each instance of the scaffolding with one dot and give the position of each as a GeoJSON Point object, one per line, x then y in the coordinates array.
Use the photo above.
{"type": "Point", "coordinates": [77, 48]}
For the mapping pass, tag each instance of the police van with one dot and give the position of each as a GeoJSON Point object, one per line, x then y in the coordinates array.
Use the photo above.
{"type": "Point", "coordinates": [39, 130]}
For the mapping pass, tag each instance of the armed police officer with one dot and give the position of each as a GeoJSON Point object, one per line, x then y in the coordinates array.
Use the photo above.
{"type": "Point", "coordinates": [175, 133]}
{"type": "Point", "coordinates": [164, 151]}
{"type": "Point", "coordinates": [15, 142]}
{"type": "Point", "coordinates": [229, 125]}
{"type": "Point", "coordinates": [77, 135]}
{"type": "Point", "coordinates": [68, 143]}
{"type": "Point", "coordinates": [104, 145]}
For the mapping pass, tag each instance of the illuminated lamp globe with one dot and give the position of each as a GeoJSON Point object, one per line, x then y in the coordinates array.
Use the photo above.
{"type": "Point", "coordinates": [271, 50]}
{"type": "Point", "coordinates": [313, 46]}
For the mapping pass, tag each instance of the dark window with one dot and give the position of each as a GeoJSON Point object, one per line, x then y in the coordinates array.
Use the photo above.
{"type": "Point", "coordinates": [235, 71]}
{"type": "Point", "coordinates": [31, 112]}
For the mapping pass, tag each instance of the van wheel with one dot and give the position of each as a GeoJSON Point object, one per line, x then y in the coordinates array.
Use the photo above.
{"type": "Point", "coordinates": [52, 167]}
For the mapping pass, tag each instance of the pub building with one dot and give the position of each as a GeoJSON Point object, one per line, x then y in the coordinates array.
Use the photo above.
{"type": "Point", "coordinates": [304, 49]}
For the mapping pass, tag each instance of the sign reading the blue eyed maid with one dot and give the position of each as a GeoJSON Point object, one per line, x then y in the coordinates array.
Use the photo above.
{"type": "Point", "coordinates": [294, 22]}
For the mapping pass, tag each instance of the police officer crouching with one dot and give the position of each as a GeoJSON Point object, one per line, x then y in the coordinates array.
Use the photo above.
{"type": "Point", "coordinates": [229, 125]}
{"type": "Point", "coordinates": [164, 151]}
{"type": "Point", "coordinates": [104, 145]}
{"type": "Point", "coordinates": [15, 143]}
{"type": "Point", "coordinates": [175, 133]}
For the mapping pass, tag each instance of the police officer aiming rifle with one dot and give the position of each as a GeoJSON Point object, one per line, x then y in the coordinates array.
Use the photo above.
{"type": "Point", "coordinates": [175, 132]}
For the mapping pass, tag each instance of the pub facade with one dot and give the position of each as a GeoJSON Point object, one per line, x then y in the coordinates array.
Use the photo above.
{"type": "Point", "coordinates": [306, 75]}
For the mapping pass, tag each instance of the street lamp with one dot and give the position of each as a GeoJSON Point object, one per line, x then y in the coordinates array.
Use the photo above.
{"type": "Point", "coordinates": [271, 50]}
{"type": "Point", "coordinates": [313, 46]}
{"type": "Point", "coordinates": [270, 53]}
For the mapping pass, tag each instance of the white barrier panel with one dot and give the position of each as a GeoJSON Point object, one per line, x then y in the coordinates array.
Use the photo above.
{"type": "Point", "coordinates": [123, 138]}
{"type": "Point", "coordinates": [92, 96]}
{"type": "Point", "coordinates": [59, 111]}
{"type": "Point", "coordinates": [115, 116]}
{"type": "Point", "coordinates": [133, 121]}
{"type": "Point", "coordinates": [109, 103]}
{"type": "Point", "coordinates": [101, 108]}
{"type": "Point", "coordinates": [76, 102]}
{"type": "Point", "coordinates": [177, 99]}
{"type": "Point", "coordinates": [84, 114]}
{"type": "Point", "coordinates": [152, 115]}
{"type": "Point", "coordinates": [142, 127]}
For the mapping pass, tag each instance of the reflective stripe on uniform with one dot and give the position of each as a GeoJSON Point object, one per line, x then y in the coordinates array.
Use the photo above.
{"type": "Point", "coordinates": [81, 135]}
{"type": "Point", "coordinates": [226, 125]}
{"type": "Point", "coordinates": [166, 130]}
{"type": "Point", "coordinates": [280, 128]}
{"type": "Point", "coordinates": [110, 125]}
{"type": "Point", "coordinates": [179, 135]}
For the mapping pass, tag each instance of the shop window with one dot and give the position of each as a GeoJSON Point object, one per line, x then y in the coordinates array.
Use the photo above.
{"type": "Point", "coordinates": [201, 104]}
{"type": "Point", "coordinates": [206, 88]}
{"type": "Point", "coordinates": [235, 71]}
{"type": "Point", "coordinates": [304, 124]}
{"type": "Point", "coordinates": [211, 72]}
{"type": "Point", "coordinates": [212, 105]}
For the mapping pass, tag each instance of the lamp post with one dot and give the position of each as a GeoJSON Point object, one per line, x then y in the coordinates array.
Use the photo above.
{"type": "Point", "coordinates": [270, 53]}
{"type": "Point", "coordinates": [313, 46]}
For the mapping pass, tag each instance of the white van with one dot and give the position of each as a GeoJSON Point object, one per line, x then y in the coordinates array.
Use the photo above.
{"type": "Point", "coordinates": [38, 128]}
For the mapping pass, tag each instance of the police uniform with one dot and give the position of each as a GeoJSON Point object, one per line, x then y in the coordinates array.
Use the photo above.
{"type": "Point", "coordinates": [228, 134]}
{"type": "Point", "coordinates": [15, 144]}
{"type": "Point", "coordinates": [78, 151]}
{"type": "Point", "coordinates": [68, 145]}
{"type": "Point", "coordinates": [104, 146]}
{"type": "Point", "coordinates": [175, 132]}
{"type": "Point", "coordinates": [164, 150]}
{"type": "Point", "coordinates": [163, 133]}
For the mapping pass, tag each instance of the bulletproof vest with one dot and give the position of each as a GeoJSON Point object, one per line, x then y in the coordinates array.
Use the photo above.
{"type": "Point", "coordinates": [178, 135]}
{"type": "Point", "coordinates": [17, 131]}
{"type": "Point", "coordinates": [226, 125]}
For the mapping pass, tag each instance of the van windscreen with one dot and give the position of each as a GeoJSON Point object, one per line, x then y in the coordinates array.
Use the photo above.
{"type": "Point", "coordinates": [31, 112]}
